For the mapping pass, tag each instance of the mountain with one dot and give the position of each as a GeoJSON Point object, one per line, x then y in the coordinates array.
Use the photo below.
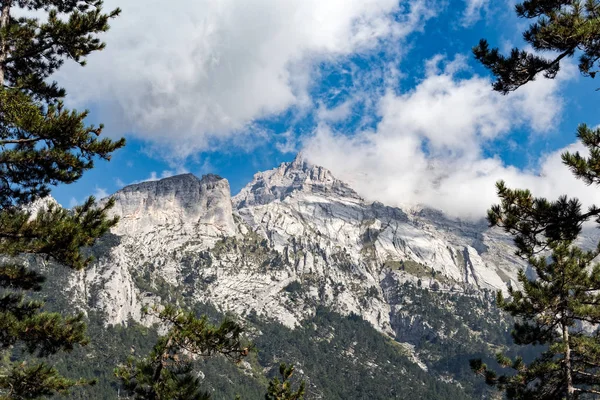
{"type": "Point", "coordinates": [293, 224]}
{"type": "Point", "coordinates": [295, 244]}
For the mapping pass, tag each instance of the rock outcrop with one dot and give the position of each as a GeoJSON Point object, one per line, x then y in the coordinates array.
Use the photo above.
{"type": "Point", "coordinates": [293, 239]}
{"type": "Point", "coordinates": [181, 201]}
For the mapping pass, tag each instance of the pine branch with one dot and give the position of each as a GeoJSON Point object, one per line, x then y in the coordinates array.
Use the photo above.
{"type": "Point", "coordinates": [20, 141]}
{"type": "Point", "coordinates": [586, 390]}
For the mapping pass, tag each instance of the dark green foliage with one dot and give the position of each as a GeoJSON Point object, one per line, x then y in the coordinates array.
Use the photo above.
{"type": "Point", "coordinates": [565, 27]}
{"type": "Point", "coordinates": [378, 368]}
{"type": "Point", "coordinates": [293, 286]}
{"type": "Point", "coordinates": [40, 332]}
{"type": "Point", "coordinates": [586, 168]}
{"type": "Point", "coordinates": [371, 292]}
{"type": "Point", "coordinates": [448, 329]}
{"type": "Point", "coordinates": [282, 390]}
{"type": "Point", "coordinates": [554, 308]}
{"type": "Point", "coordinates": [551, 309]}
{"type": "Point", "coordinates": [346, 358]}
{"type": "Point", "coordinates": [54, 232]}
{"type": "Point", "coordinates": [57, 234]}
{"type": "Point", "coordinates": [110, 346]}
{"type": "Point", "coordinates": [16, 276]}
{"type": "Point", "coordinates": [32, 49]}
{"type": "Point", "coordinates": [30, 382]}
{"type": "Point", "coordinates": [168, 371]}
{"type": "Point", "coordinates": [41, 145]}
{"type": "Point", "coordinates": [535, 222]}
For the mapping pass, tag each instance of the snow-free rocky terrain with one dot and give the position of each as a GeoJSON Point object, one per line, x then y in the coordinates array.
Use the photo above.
{"type": "Point", "coordinates": [293, 239]}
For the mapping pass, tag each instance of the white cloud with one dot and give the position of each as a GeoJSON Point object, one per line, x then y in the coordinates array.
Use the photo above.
{"type": "Point", "coordinates": [472, 13]}
{"type": "Point", "coordinates": [167, 173]}
{"type": "Point", "coordinates": [335, 114]}
{"type": "Point", "coordinates": [287, 143]}
{"type": "Point", "coordinates": [456, 115]}
{"type": "Point", "coordinates": [203, 70]}
{"type": "Point", "coordinates": [100, 193]}
{"type": "Point", "coordinates": [428, 148]}
{"type": "Point", "coordinates": [205, 167]}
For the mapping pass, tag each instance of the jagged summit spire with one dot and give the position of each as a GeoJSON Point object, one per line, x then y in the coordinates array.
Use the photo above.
{"type": "Point", "coordinates": [297, 176]}
{"type": "Point", "coordinates": [299, 161]}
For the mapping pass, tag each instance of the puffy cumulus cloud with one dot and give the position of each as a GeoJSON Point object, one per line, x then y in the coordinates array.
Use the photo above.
{"type": "Point", "coordinates": [428, 147]}
{"type": "Point", "coordinates": [457, 115]}
{"type": "Point", "coordinates": [188, 74]}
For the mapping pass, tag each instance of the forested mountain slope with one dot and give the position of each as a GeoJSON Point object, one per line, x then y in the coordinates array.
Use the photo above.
{"type": "Point", "coordinates": [369, 301]}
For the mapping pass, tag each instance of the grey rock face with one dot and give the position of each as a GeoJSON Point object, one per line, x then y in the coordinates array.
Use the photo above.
{"type": "Point", "coordinates": [182, 199]}
{"type": "Point", "coordinates": [289, 178]}
{"type": "Point", "coordinates": [296, 238]}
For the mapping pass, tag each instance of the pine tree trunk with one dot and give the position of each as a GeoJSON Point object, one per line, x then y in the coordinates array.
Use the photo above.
{"type": "Point", "coordinates": [4, 19]}
{"type": "Point", "coordinates": [156, 376]}
{"type": "Point", "coordinates": [567, 363]}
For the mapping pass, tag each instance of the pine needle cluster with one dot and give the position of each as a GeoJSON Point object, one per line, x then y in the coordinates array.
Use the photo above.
{"type": "Point", "coordinates": [564, 27]}
{"type": "Point", "coordinates": [169, 372]}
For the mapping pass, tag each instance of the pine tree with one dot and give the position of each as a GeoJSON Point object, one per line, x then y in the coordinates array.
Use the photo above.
{"type": "Point", "coordinates": [168, 372]}
{"type": "Point", "coordinates": [560, 308]}
{"type": "Point", "coordinates": [282, 390]}
{"type": "Point", "coordinates": [565, 27]}
{"type": "Point", "coordinates": [553, 310]}
{"type": "Point", "coordinates": [42, 144]}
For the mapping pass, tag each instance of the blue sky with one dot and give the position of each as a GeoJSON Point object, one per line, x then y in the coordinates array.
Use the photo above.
{"type": "Point", "coordinates": [384, 93]}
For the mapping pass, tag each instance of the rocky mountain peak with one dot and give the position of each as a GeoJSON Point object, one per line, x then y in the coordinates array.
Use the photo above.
{"type": "Point", "coordinates": [182, 199]}
{"type": "Point", "coordinates": [299, 237]}
{"type": "Point", "coordinates": [185, 186]}
{"type": "Point", "coordinates": [298, 164]}
{"type": "Point", "coordinates": [297, 176]}
{"type": "Point", "coordinates": [302, 171]}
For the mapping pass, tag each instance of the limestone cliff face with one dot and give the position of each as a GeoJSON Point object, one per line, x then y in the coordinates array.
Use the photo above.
{"type": "Point", "coordinates": [293, 239]}
{"type": "Point", "coordinates": [182, 200]}
{"type": "Point", "coordinates": [156, 219]}
{"type": "Point", "coordinates": [320, 211]}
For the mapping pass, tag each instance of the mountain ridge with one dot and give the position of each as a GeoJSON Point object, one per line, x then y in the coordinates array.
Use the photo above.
{"type": "Point", "coordinates": [294, 245]}
{"type": "Point", "coordinates": [293, 226]}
